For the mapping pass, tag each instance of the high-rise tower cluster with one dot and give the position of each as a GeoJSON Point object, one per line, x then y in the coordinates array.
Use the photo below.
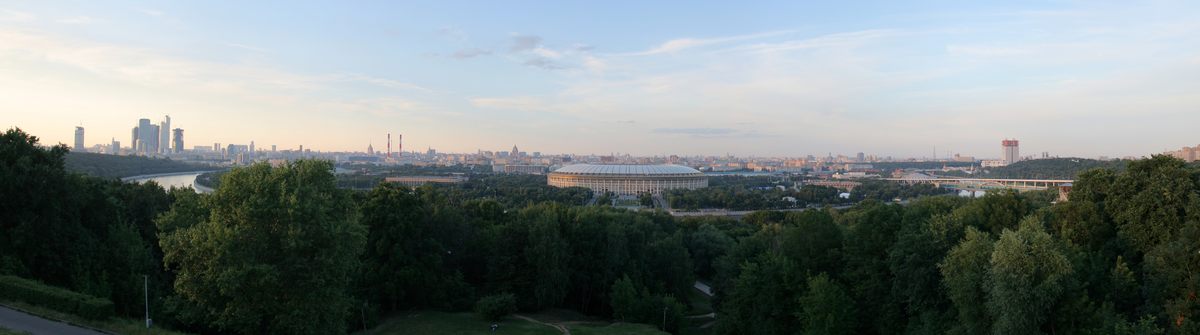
{"type": "Point", "coordinates": [149, 138]}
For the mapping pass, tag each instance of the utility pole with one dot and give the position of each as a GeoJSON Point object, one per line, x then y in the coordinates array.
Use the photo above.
{"type": "Point", "coordinates": [146, 294]}
{"type": "Point", "coordinates": [664, 327]}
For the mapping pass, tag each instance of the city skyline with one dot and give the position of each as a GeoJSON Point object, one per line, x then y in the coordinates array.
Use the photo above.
{"type": "Point", "coordinates": [1074, 79]}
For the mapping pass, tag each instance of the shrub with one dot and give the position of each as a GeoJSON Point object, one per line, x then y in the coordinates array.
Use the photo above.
{"type": "Point", "coordinates": [494, 307]}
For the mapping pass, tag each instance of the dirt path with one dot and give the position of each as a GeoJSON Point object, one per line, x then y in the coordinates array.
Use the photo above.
{"type": "Point", "coordinates": [560, 327]}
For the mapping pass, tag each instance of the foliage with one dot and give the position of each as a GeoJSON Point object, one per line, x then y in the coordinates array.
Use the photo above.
{"type": "Point", "coordinates": [114, 166]}
{"type": "Point", "coordinates": [497, 306]}
{"type": "Point", "coordinates": [826, 308]}
{"type": "Point", "coordinates": [1026, 278]}
{"type": "Point", "coordinates": [883, 190]}
{"type": "Point", "coordinates": [276, 250]}
{"type": "Point", "coordinates": [56, 298]}
{"type": "Point", "coordinates": [1052, 168]}
{"type": "Point", "coordinates": [750, 193]}
{"type": "Point", "coordinates": [275, 255]}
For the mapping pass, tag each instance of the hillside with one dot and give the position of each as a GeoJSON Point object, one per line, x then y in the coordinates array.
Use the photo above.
{"type": "Point", "coordinates": [113, 166]}
{"type": "Point", "coordinates": [1054, 168]}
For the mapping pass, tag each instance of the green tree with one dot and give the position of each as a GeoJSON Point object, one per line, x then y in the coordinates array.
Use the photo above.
{"type": "Point", "coordinates": [547, 256]}
{"type": "Point", "coordinates": [275, 255]}
{"type": "Point", "coordinates": [965, 276]}
{"type": "Point", "coordinates": [497, 306]}
{"type": "Point", "coordinates": [704, 246]}
{"type": "Point", "coordinates": [1151, 200]}
{"type": "Point", "coordinates": [826, 309]}
{"type": "Point", "coordinates": [1027, 278]}
{"type": "Point", "coordinates": [764, 298]}
{"type": "Point", "coordinates": [404, 263]}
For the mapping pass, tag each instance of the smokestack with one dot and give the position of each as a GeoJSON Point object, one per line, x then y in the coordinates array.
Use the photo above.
{"type": "Point", "coordinates": [399, 145]}
{"type": "Point", "coordinates": [389, 152]}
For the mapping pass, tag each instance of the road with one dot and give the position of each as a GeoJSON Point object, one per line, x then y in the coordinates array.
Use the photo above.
{"type": "Point", "coordinates": [739, 214]}
{"type": "Point", "coordinates": [21, 322]}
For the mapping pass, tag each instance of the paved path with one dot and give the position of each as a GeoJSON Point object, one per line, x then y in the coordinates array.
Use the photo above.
{"type": "Point", "coordinates": [21, 322]}
{"type": "Point", "coordinates": [703, 288]}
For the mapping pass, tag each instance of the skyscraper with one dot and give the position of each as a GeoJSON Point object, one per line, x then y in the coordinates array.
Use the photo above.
{"type": "Point", "coordinates": [133, 141]}
{"type": "Point", "coordinates": [1012, 152]}
{"type": "Point", "coordinates": [178, 133]}
{"type": "Point", "coordinates": [79, 139]}
{"type": "Point", "coordinates": [164, 136]}
{"type": "Point", "coordinates": [115, 147]}
{"type": "Point", "coordinates": [147, 138]}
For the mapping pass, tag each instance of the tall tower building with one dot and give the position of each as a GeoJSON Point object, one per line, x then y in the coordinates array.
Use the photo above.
{"type": "Point", "coordinates": [178, 143]}
{"type": "Point", "coordinates": [164, 136]}
{"type": "Point", "coordinates": [79, 139]}
{"type": "Point", "coordinates": [115, 147]}
{"type": "Point", "coordinates": [514, 152]}
{"type": "Point", "coordinates": [147, 137]}
{"type": "Point", "coordinates": [133, 140]}
{"type": "Point", "coordinates": [1012, 152]}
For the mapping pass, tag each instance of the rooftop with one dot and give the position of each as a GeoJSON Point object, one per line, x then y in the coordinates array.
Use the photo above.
{"type": "Point", "coordinates": [626, 169]}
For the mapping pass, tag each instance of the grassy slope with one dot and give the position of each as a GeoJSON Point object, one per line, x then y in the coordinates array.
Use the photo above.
{"type": "Point", "coordinates": [6, 331]}
{"type": "Point", "coordinates": [431, 322]}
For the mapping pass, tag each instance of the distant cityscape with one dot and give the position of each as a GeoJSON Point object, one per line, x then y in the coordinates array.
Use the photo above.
{"type": "Point", "coordinates": [160, 140]}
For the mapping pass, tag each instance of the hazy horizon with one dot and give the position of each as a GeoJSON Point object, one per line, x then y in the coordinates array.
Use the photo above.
{"type": "Point", "coordinates": [784, 79]}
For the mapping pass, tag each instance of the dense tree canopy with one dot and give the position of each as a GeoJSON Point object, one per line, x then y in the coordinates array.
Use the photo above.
{"type": "Point", "coordinates": [283, 250]}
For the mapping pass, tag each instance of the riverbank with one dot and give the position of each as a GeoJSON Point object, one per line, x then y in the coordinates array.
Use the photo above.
{"type": "Point", "coordinates": [168, 174]}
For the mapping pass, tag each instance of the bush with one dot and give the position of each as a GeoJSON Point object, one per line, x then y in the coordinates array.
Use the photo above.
{"type": "Point", "coordinates": [494, 307]}
{"type": "Point", "coordinates": [59, 299]}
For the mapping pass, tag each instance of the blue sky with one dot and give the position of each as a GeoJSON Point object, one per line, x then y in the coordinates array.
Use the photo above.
{"type": "Point", "coordinates": [1073, 78]}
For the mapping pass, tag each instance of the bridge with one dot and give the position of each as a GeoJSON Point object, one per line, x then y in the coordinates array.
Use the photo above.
{"type": "Point", "coordinates": [984, 184]}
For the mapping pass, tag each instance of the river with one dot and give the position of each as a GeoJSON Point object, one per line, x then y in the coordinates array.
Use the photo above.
{"type": "Point", "coordinates": [177, 179]}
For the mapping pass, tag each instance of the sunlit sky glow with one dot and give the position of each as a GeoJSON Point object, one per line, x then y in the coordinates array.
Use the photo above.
{"type": "Point", "coordinates": [1074, 78]}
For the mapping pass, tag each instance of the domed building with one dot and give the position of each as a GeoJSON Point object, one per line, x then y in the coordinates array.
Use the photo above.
{"type": "Point", "coordinates": [628, 179]}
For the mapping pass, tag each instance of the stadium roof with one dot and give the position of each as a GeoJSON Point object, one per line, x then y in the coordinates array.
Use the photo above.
{"type": "Point", "coordinates": [626, 169]}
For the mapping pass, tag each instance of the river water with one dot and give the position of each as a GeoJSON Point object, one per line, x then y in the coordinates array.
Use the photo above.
{"type": "Point", "coordinates": [167, 180]}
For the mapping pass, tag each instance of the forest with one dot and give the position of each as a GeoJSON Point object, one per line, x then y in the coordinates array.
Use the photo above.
{"type": "Point", "coordinates": [114, 166]}
{"type": "Point", "coordinates": [284, 250]}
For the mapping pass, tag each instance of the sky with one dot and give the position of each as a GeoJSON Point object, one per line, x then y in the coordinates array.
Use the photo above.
{"type": "Point", "coordinates": [788, 78]}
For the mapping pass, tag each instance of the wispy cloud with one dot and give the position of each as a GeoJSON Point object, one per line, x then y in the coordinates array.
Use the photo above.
{"type": "Point", "coordinates": [150, 12]}
{"type": "Point", "coordinates": [709, 132]}
{"type": "Point", "coordinates": [528, 104]}
{"type": "Point", "coordinates": [524, 42]}
{"type": "Point", "coordinates": [680, 44]}
{"type": "Point", "coordinates": [247, 47]}
{"type": "Point", "coordinates": [77, 20]}
{"type": "Point", "coordinates": [470, 53]}
{"type": "Point", "coordinates": [382, 82]}
{"type": "Point", "coordinates": [7, 15]}
{"type": "Point", "coordinates": [695, 131]}
{"type": "Point", "coordinates": [544, 63]}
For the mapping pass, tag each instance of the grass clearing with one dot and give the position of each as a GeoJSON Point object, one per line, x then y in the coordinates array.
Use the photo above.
{"type": "Point", "coordinates": [614, 329]}
{"type": "Point", "coordinates": [6, 331]}
{"type": "Point", "coordinates": [433, 322]}
{"type": "Point", "coordinates": [114, 325]}
{"type": "Point", "coordinates": [699, 302]}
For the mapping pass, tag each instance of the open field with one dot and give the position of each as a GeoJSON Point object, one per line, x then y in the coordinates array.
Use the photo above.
{"type": "Point", "coordinates": [432, 322]}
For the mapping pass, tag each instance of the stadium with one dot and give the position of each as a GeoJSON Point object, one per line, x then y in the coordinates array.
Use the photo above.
{"type": "Point", "coordinates": [628, 179]}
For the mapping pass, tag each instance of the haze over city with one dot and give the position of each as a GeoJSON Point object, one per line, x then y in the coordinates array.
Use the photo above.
{"type": "Point", "coordinates": [785, 79]}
